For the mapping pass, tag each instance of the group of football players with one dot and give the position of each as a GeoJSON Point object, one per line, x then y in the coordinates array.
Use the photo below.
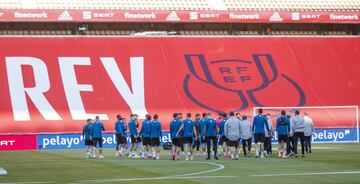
{"type": "Point", "coordinates": [223, 133]}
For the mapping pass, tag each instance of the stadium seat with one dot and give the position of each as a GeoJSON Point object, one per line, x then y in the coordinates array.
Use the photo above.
{"type": "Point", "coordinates": [125, 4]}
{"type": "Point", "coordinates": [243, 32]}
{"type": "Point", "coordinates": [10, 4]}
{"type": "Point", "coordinates": [334, 33]}
{"type": "Point", "coordinates": [293, 5]}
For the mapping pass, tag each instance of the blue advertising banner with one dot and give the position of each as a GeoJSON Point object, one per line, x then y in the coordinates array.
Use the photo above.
{"type": "Point", "coordinates": [334, 135]}
{"type": "Point", "coordinates": [73, 141]}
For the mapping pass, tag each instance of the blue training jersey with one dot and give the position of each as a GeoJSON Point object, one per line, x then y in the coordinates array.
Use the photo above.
{"type": "Point", "coordinates": [259, 124]}
{"type": "Point", "coordinates": [96, 129]}
{"type": "Point", "coordinates": [87, 131]}
{"type": "Point", "coordinates": [120, 128]}
{"type": "Point", "coordinates": [174, 128]}
{"type": "Point", "coordinates": [221, 127]}
{"type": "Point", "coordinates": [188, 128]}
{"type": "Point", "coordinates": [201, 126]}
{"type": "Point", "coordinates": [283, 125]}
{"type": "Point", "coordinates": [145, 131]}
{"type": "Point", "coordinates": [210, 127]}
{"type": "Point", "coordinates": [133, 128]}
{"type": "Point", "coordinates": [156, 129]}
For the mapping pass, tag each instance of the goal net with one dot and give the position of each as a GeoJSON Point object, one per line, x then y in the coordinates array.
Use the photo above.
{"type": "Point", "coordinates": [332, 124]}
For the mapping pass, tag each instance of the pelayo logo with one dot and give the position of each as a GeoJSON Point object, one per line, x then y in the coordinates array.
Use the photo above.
{"type": "Point", "coordinates": [242, 77]}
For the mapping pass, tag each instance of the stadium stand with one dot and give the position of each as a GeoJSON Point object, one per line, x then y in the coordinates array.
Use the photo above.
{"type": "Point", "coordinates": [254, 5]}
{"type": "Point", "coordinates": [293, 33]}
{"type": "Point", "coordinates": [10, 4]}
{"type": "Point", "coordinates": [181, 28]}
{"type": "Point", "coordinates": [297, 5]}
{"type": "Point", "coordinates": [125, 4]}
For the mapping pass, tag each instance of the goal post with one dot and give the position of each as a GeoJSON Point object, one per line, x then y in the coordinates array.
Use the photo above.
{"type": "Point", "coordinates": [333, 124]}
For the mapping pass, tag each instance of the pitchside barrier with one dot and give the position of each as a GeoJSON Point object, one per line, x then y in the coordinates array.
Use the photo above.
{"type": "Point", "coordinates": [74, 141]}
{"type": "Point", "coordinates": [56, 90]}
{"type": "Point", "coordinates": [344, 122]}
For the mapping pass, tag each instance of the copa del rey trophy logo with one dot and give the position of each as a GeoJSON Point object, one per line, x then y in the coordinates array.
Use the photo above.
{"type": "Point", "coordinates": [241, 77]}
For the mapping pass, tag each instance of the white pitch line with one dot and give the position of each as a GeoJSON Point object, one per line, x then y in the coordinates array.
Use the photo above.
{"type": "Point", "coordinates": [26, 182]}
{"type": "Point", "coordinates": [307, 174]}
{"type": "Point", "coordinates": [202, 177]}
{"type": "Point", "coordinates": [220, 167]}
{"type": "Point", "coordinates": [149, 179]}
{"type": "Point", "coordinates": [172, 177]}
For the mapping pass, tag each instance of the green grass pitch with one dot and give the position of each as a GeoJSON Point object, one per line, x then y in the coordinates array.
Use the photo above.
{"type": "Point", "coordinates": [329, 163]}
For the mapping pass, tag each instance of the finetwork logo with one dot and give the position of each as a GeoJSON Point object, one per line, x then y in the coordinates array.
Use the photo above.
{"type": "Point", "coordinates": [242, 16]}
{"type": "Point", "coordinates": [86, 15]}
{"type": "Point", "coordinates": [129, 15]}
{"type": "Point", "coordinates": [194, 15]}
{"type": "Point", "coordinates": [276, 17]}
{"type": "Point", "coordinates": [65, 15]}
{"type": "Point", "coordinates": [344, 17]}
{"type": "Point", "coordinates": [1, 14]}
{"type": "Point", "coordinates": [173, 17]}
{"type": "Point", "coordinates": [295, 16]}
{"type": "Point", "coordinates": [30, 15]}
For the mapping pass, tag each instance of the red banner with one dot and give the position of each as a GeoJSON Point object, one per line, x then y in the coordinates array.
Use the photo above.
{"type": "Point", "coordinates": [178, 16]}
{"type": "Point", "coordinates": [54, 84]}
{"type": "Point", "coordinates": [18, 142]}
